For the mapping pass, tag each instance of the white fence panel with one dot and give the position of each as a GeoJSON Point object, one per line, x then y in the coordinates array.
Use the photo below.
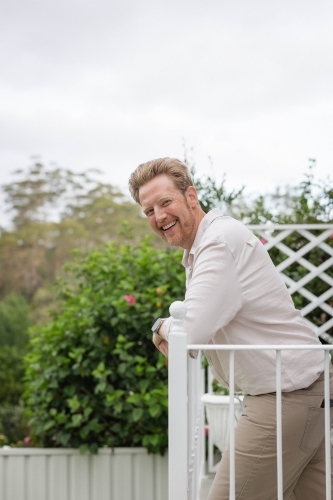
{"type": "Point", "coordinates": [64, 474]}
{"type": "Point", "coordinates": [274, 236]}
{"type": "Point", "coordinates": [58, 477]}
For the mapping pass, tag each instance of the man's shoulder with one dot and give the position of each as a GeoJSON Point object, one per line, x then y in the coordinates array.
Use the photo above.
{"type": "Point", "coordinates": [226, 229]}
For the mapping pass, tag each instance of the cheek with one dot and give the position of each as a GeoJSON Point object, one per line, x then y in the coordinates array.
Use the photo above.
{"type": "Point", "coordinates": [152, 223]}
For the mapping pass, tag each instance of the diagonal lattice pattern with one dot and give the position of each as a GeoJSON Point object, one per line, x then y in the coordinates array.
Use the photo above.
{"type": "Point", "coordinates": [303, 255]}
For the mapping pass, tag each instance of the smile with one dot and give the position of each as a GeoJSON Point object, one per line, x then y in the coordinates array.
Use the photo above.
{"type": "Point", "coordinates": [165, 228]}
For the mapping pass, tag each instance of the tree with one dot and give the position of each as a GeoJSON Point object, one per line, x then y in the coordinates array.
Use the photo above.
{"type": "Point", "coordinates": [55, 211]}
{"type": "Point", "coordinates": [309, 202]}
{"type": "Point", "coordinates": [43, 193]}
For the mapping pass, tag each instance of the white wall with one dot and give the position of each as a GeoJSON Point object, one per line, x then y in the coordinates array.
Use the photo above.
{"type": "Point", "coordinates": [64, 474]}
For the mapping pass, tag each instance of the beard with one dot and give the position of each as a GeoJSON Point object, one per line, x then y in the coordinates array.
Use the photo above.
{"type": "Point", "coordinates": [184, 230]}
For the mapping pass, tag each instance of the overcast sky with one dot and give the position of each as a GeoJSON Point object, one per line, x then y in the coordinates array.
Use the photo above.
{"type": "Point", "coordinates": [110, 84]}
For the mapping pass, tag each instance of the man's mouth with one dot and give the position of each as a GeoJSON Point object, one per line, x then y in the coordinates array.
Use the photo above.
{"type": "Point", "coordinates": [168, 226]}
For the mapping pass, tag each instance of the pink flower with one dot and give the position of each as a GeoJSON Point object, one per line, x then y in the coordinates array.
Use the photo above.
{"type": "Point", "coordinates": [263, 241]}
{"type": "Point", "coordinates": [130, 299]}
{"type": "Point", "coordinates": [27, 441]}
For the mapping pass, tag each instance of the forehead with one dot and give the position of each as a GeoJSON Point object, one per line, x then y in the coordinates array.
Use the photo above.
{"type": "Point", "coordinates": [157, 188]}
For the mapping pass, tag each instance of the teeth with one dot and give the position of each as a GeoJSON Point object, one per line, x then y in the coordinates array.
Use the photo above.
{"type": "Point", "coordinates": [169, 225]}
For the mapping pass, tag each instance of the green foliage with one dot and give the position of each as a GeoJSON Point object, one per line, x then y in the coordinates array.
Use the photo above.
{"type": "Point", "coordinates": [309, 202]}
{"type": "Point", "coordinates": [11, 374]}
{"type": "Point", "coordinates": [13, 422]}
{"type": "Point", "coordinates": [54, 211]}
{"type": "Point", "coordinates": [93, 376]}
{"type": "Point", "coordinates": [14, 322]}
{"type": "Point", "coordinates": [37, 191]}
{"type": "Point", "coordinates": [13, 425]}
{"type": "Point", "coordinates": [213, 194]}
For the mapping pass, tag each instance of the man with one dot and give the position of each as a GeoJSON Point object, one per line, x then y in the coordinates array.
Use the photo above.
{"type": "Point", "coordinates": [234, 295]}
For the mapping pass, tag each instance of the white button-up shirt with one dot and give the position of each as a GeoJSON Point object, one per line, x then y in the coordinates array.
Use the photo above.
{"type": "Point", "coordinates": [234, 295]}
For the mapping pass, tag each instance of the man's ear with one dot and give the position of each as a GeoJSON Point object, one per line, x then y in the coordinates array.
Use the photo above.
{"type": "Point", "coordinates": [192, 196]}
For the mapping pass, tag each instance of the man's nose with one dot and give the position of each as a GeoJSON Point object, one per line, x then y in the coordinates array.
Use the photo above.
{"type": "Point", "coordinates": [160, 214]}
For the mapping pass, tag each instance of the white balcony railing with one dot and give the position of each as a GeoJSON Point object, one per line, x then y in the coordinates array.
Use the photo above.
{"type": "Point", "coordinates": [186, 423]}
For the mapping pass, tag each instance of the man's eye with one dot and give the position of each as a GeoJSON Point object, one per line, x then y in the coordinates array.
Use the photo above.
{"type": "Point", "coordinates": [149, 212]}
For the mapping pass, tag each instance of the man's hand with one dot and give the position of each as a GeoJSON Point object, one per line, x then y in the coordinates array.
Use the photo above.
{"type": "Point", "coordinates": [161, 344]}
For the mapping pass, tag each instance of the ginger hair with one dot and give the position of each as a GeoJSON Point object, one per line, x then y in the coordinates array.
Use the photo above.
{"type": "Point", "coordinates": [173, 168]}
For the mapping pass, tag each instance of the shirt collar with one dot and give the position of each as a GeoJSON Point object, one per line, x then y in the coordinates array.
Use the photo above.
{"type": "Point", "coordinates": [203, 226]}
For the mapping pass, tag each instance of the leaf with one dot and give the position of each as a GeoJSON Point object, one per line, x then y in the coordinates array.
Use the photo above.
{"type": "Point", "coordinates": [93, 448]}
{"type": "Point", "coordinates": [48, 425]}
{"type": "Point", "coordinates": [137, 414]}
{"type": "Point", "coordinates": [63, 438]}
{"type": "Point", "coordinates": [118, 407]}
{"type": "Point", "coordinates": [135, 398]}
{"type": "Point", "coordinates": [83, 448]}
{"type": "Point", "coordinates": [155, 410]}
{"type": "Point", "coordinates": [114, 321]}
{"type": "Point", "coordinates": [77, 419]}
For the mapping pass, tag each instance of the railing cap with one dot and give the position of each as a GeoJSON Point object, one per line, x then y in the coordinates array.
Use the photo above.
{"type": "Point", "coordinates": [178, 309]}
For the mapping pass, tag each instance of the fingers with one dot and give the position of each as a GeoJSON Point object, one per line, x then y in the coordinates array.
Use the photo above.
{"type": "Point", "coordinates": [164, 348]}
{"type": "Point", "coordinates": [161, 344]}
{"type": "Point", "coordinates": [157, 340]}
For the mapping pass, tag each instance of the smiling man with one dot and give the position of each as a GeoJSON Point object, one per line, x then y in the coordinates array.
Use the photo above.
{"type": "Point", "coordinates": [174, 215]}
{"type": "Point", "coordinates": [234, 295]}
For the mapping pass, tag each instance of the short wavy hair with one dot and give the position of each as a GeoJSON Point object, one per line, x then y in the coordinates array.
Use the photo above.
{"type": "Point", "coordinates": [173, 168]}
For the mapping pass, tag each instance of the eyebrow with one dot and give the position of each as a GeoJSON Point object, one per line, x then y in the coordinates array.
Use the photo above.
{"type": "Point", "coordinates": [161, 200]}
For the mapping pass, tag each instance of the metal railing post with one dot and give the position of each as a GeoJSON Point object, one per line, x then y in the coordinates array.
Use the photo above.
{"type": "Point", "coordinates": [279, 426]}
{"type": "Point", "coordinates": [232, 423]}
{"type": "Point", "coordinates": [327, 425]}
{"type": "Point", "coordinates": [178, 460]}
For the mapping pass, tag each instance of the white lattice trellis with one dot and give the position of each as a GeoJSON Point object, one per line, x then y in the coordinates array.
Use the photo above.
{"type": "Point", "coordinates": [273, 235]}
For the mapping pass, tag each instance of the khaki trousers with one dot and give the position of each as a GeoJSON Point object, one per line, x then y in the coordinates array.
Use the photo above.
{"type": "Point", "coordinates": [303, 446]}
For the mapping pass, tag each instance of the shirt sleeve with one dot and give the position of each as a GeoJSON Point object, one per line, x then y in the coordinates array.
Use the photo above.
{"type": "Point", "coordinates": [214, 294]}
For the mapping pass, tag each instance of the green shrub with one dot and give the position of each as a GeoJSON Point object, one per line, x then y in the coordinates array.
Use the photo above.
{"type": "Point", "coordinates": [14, 322]}
{"type": "Point", "coordinates": [93, 376]}
{"type": "Point", "coordinates": [11, 374]}
{"type": "Point", "coordinates": [13, 425]}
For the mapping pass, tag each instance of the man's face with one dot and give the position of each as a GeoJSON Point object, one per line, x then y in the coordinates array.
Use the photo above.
{"type": "Point", "coordinates": [169, 212]}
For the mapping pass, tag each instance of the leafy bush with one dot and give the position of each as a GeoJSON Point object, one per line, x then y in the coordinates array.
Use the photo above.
{"type": "Point", "coordinates": [11, 374]}
{"type": "Point", "coordinates": [14, 322]}
{"type": "Point", "coordinates": [93, 376]}
{"type": "Point", "coordinates": [13, 425]}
